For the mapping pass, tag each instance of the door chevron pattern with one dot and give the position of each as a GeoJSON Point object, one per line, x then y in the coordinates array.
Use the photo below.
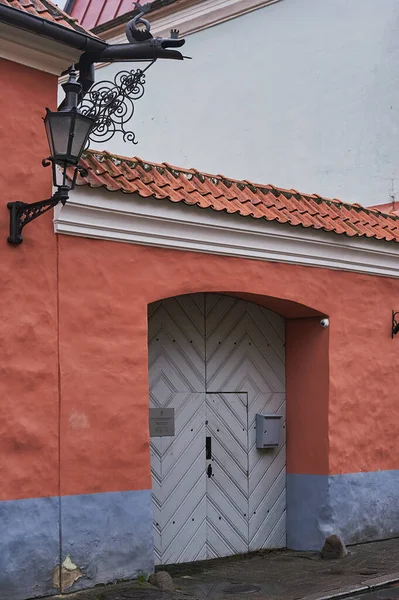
{"type": "Point", "coordinates": [245, 351]}
{"type": "Point", "coordinates": [218, 361]}
{"type": "Point", "coordinates": [227, 488]}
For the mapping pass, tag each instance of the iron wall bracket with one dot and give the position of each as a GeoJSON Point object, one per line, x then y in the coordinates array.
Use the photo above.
{"type": "Point", "coordinates": [22, 213]}
{"type": "Point", "coordinates": [395, 323]}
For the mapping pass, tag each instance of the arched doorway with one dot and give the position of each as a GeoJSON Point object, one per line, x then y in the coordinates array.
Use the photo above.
{"type": "Point", "coordinates": [217, 361]}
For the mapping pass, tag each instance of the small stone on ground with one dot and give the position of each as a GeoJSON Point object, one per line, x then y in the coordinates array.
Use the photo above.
{"type": "Point", "coordinates": [333, 548]}
{"type": "Point", "coordinates": [162, 580]}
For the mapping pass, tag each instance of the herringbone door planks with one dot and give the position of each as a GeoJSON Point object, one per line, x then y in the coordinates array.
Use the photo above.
{"type": "Point", "coordinates": [245, 351]}
{"type": "Point", "coordinates": [227, 487]}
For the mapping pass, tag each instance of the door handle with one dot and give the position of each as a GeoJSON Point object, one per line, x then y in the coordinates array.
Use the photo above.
{"type": "Point", "coordinates": [208, 448]}
{"type": "Point", "coordinates": [209, 471]}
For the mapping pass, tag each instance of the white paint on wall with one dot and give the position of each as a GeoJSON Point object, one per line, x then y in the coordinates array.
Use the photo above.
{"type": "Point", "coordinates": [301, 94]}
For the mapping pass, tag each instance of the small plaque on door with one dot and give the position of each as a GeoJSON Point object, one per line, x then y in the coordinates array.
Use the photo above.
{"type": "Point", "coordinates": [162, 422]}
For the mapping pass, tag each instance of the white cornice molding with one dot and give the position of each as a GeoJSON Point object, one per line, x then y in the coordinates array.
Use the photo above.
{"type": "Point", "coordinates": [193, 18]}
{"type": "Point", "coordinates": [99, 214]}
{"type": "Point", "coordinates": [34, 51]}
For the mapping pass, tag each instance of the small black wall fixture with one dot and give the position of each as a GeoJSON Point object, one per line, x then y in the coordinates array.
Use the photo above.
{"type": "Point", "coordinates": [395, 323]}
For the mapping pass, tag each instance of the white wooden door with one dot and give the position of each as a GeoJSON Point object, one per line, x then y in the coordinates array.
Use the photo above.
{"type": "Point", "coordinates": [218, 361]}
{"type": "Point", "coordinates": [227, 474]}
{"type": "Point", "coordinates": [177, 380]}
{"type": "Point", "coordinates": [245, 351]}
{"type": "Point", "coordinates": [179, 484]}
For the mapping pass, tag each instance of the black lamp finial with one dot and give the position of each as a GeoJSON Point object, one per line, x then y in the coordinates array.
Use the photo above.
{"type": "Point", "coordinates": [72, 89]}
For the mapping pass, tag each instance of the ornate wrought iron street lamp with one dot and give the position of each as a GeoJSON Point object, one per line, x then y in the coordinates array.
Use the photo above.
{"type": "Point", "coordinates": [68, 131]}
{"type": "Point", "coordinates": [94, 111]}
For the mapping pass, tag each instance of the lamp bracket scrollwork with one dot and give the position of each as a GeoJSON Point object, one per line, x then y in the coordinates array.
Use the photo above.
{"type": "Point", "coordinates": [112, 104]}
{"type": "Point", "coordinates": [22, 213]}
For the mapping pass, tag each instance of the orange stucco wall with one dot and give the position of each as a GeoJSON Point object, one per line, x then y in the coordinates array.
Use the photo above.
{"type": "Point", "coordinates": [74, 340]}
{"type": "Point", "coordinates": [28, 283]}
{"type": "Point", "coordinates": [307, 386]}
{"type": "Point", "coordinates": [104, 291]}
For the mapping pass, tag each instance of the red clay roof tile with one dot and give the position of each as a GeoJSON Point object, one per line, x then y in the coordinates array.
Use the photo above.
{"type": "Point", "coordinates": [49, 11]}
{"type": "Point", "coordinates": [164, 181]}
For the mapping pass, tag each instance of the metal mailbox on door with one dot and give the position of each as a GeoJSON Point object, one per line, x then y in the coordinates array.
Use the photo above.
{"type": "Point", "coordinates": [268, 431]}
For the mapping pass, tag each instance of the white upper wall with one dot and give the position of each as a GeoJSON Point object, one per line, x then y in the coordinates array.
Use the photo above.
{"type": "Point", "coordinates": [303, 94]}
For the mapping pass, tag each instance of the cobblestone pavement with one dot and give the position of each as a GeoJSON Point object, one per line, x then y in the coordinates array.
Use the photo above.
{"type": "Point", "coordinates": [275, 575]}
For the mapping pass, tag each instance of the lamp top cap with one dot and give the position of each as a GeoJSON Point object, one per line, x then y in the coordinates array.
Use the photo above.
{"type": "Point", "coordinates": [72, 86]}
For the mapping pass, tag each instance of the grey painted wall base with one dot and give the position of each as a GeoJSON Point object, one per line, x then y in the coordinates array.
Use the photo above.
{"type": "Point", "coordinates": [108, 536]}
{"type": "Point", "coordinates": [29, 547]}
{"type": "Point", "coordinates": [105, 536]}
{"type": "Point", "coordinates": [360, 507]}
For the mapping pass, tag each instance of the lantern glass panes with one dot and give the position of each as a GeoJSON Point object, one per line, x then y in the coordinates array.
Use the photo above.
{"type": "Point", "coordinates": [67, 134]}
